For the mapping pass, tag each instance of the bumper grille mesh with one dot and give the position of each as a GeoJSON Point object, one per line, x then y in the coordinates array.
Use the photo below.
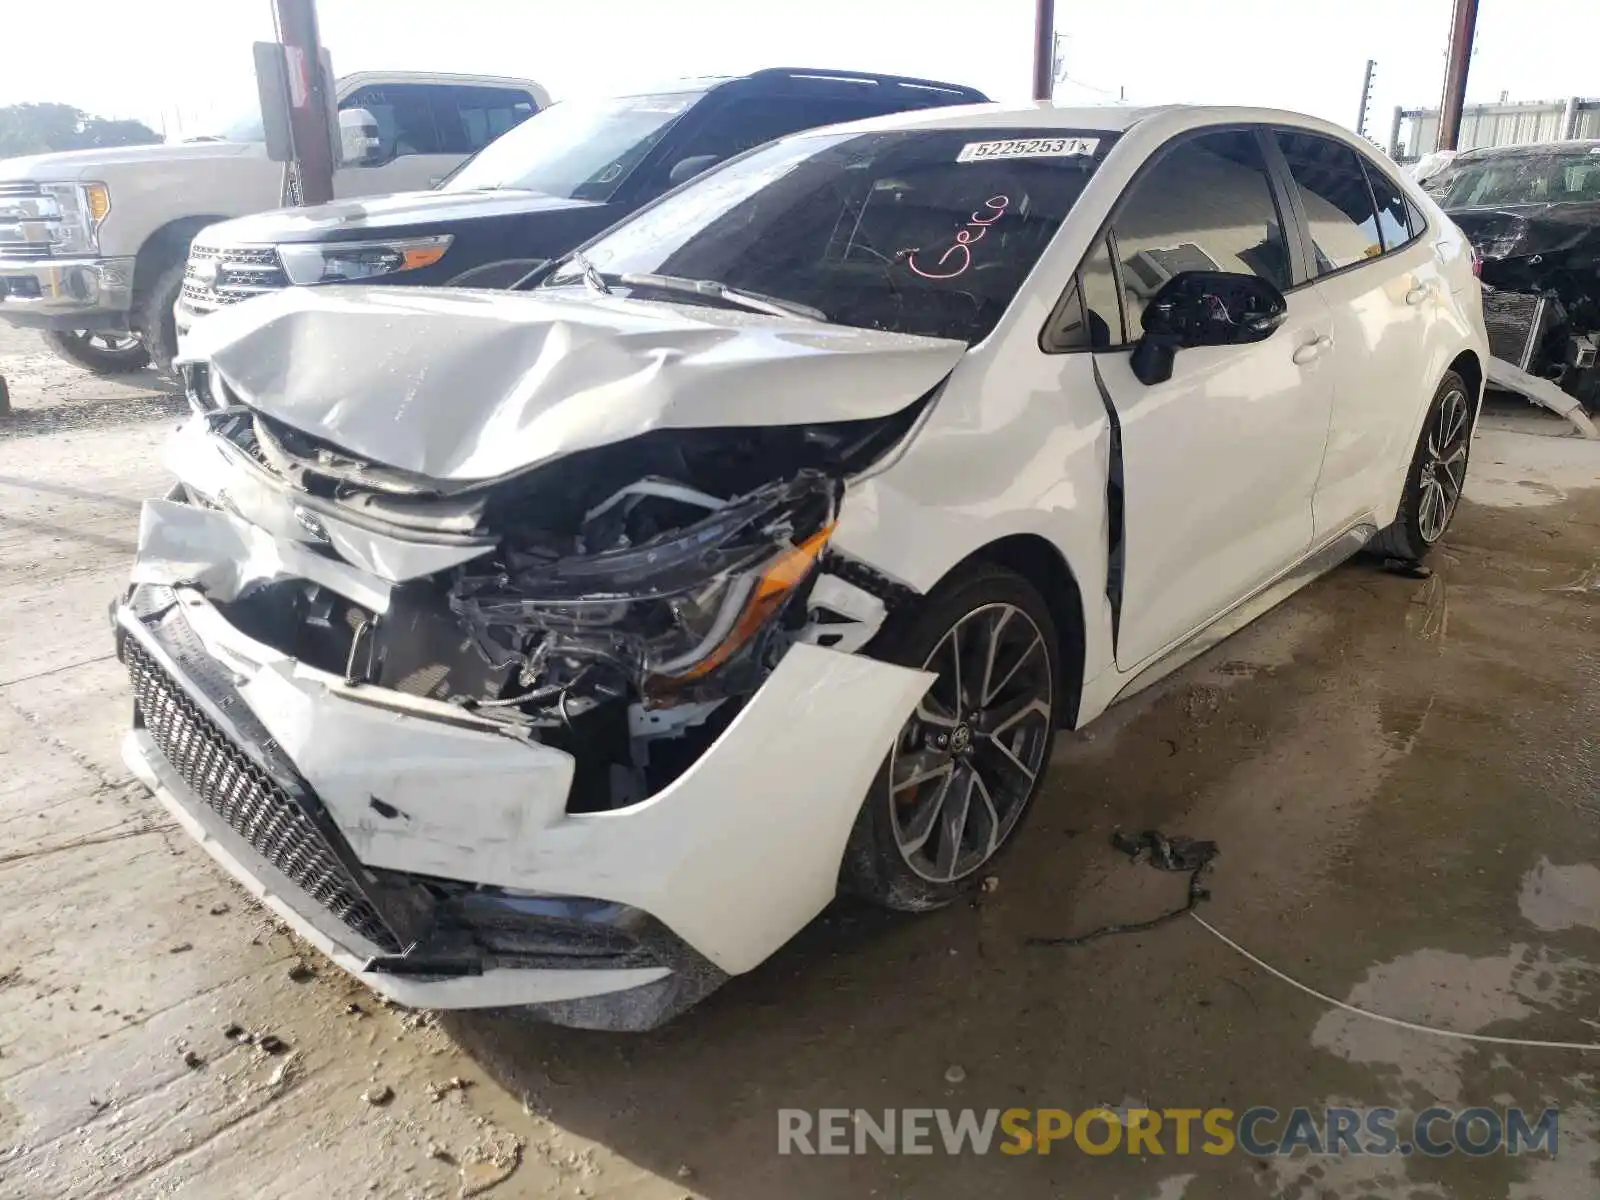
{"type": "Point", "coordinates": [240, 792]}
{"type": "Point", "coordinates": [1510, 318]}
{"type": "Point", "coordinates": [217, 276]}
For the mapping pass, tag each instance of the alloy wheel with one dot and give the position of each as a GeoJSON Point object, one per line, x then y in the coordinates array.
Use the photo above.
{"type": "Point", "coordinates": [1444, 469]}
{"type": "Point", "coordinates": [966, 761]}
{"type": "Point", "coordinates": [111, 342]}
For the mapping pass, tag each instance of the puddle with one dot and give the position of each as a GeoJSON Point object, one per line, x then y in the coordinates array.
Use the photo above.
{"type": "Point", "coordinates": [1443, 990]}
{"type": "Point", "coordinates": [1555, 898]}
{"type": "Point", "coordinates": [1428, 615]}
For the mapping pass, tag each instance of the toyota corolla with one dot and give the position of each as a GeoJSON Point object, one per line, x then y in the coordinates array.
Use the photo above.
{"type": "Point", "coordinates": [572, 647]}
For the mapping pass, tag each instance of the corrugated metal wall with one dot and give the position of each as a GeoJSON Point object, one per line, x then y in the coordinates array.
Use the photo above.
{"type": "Point", "coordinates": [1497, 125]}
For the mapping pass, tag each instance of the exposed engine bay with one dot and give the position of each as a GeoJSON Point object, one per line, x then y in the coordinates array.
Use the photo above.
{"type": "Point", "coordinates": [1533, 215]}
{"type": "Point", "coordinates": [619, 603]}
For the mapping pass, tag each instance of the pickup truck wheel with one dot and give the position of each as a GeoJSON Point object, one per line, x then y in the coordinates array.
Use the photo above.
{"type": "Point", "coordinates": [968, 762]}
{"type": "Point", "coordinates": [105, 352]}
{"type": "Point", "coordinates": [158, 329]}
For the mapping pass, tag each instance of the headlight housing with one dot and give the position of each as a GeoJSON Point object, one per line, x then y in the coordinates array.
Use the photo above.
{"type": "Point", "coordinates": [84, 208]}
{"type": "Point", "coordinates": [349, 262]}
{"type": "Point", "coordinates": [667, 613]}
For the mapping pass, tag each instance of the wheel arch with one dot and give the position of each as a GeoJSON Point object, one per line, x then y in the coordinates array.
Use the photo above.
{"type": "Point", "coordinates": [1470, 368]}
{"type": "Point", "coordinates": [1042, 564]}
{"type": "Point", "coordinates": [168, 243]}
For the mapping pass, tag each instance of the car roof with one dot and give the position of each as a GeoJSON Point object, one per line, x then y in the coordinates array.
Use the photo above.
{"type": "Point", "coordinates": [1102, 118]}
{"type": "Point", "coordinates": [934, 90]}
{"type": "Point", "coordinates": [358, 78]}
{"type": "Point", "coordinates": [1165, 121]}
{"type": "Point", "coordinates": [1531, 150]}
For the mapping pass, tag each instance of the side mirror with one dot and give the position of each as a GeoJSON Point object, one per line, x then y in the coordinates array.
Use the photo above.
{"type": "Point", "coordinates": [359, 142]}
{"type": "Point", "coordinates": [688, 168]}
{"type": "Point", "coordinates": [1204, 308]}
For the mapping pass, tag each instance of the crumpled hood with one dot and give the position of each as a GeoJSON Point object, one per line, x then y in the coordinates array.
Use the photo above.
{"type": "Point", "coordinates": [1523, 230]}
{"type": "Point", "coordinates": [459, 385]}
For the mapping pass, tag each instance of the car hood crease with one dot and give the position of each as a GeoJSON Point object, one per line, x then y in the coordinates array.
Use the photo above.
{"type": "Point", "coordinates": [460, 385]}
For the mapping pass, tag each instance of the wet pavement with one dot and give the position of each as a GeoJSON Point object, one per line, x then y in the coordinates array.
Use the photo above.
{"type": "Point", "coordinates": [1402, 774]}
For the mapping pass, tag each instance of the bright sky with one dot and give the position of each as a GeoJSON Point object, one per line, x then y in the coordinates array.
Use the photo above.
{"type": "Point", "coordinates": [186, 65]}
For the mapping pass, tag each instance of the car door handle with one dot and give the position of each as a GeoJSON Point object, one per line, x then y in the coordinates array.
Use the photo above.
{"type": "Point", "coordinates": [1312, 350]}
{"type": "Point", "coordinates": [1419, 293]}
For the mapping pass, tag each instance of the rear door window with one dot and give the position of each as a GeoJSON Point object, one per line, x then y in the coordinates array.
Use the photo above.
{"type": "Point", "coordinates": [1419, 223]}
{"type": "Point", "coordinates": [1337, 200]}
{"type": "Point", "coordinates": [1393, 225]}
{"type": "Point", "coordinates": [469, 118]}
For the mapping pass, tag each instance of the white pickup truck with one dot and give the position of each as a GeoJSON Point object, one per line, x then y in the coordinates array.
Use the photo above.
{"type": "Point", "coordinates": [93, 242]}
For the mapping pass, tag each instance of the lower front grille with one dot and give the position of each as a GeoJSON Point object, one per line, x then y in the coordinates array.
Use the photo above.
{"type": "Point", "coordinates": [240, 792]}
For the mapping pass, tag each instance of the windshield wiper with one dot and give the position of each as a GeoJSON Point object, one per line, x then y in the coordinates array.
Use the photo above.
{"type": "Point", "coordinates": [592, 279]}
{"type": "Point", "coordinates": [711, 289]}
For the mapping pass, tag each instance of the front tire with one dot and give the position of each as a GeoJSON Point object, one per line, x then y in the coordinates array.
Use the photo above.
{"type": "Point", "coordinates": [1436, 476]}
{"type": "Point", "coordinates": [969, 761]}
{"type": "Point", "coordinates": [158, 327]}
{"type": "Point", "coordinates": [104, 352]}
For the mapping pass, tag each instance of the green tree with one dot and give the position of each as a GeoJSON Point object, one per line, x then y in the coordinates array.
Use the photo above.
{"type": "Point", "coordinates": [38, 128]}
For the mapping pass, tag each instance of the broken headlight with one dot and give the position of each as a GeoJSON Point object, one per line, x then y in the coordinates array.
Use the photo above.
{"type": "Point", "coordinates": [660, 609]}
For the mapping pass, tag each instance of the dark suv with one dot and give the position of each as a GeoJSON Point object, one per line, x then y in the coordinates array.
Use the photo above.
{"type": "Point", "coordinates": [538, 191]}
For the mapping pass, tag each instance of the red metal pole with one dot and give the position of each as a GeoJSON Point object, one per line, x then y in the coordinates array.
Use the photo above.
{"type": "Point", "coordinates": [296, 21]}
{"type": "Point", "coordinates": [1044, 50]}
{"type": "Point", "coordinates": [1463, 26]}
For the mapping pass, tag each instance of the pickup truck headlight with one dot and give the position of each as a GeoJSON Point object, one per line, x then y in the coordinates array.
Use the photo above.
{"type": "Point", "coordinates": [349, 262]}
{"type": "Point", "coordinates": [84, 207]}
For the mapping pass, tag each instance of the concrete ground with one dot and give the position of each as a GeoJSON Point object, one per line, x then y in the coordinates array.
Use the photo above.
{"type": "Point", "coordinates": [1401, 773]}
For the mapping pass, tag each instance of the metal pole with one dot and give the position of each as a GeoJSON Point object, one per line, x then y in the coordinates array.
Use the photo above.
{"type": "Point", "coordinates": [1569, 118]}
{"type": "Point", "coordinates": [1044, 50]}
{"type": "Point", "coordinates": [312, 166]}
{"type": "Point", "coordinates": [1463, 25]}
{"type": "Point", "coordinates": [1394, 134]}
{"type": "Point", "coordinates": [1366, 97]}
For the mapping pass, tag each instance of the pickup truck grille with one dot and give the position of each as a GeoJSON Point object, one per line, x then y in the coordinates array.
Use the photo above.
{"type": "Point", "coordinates": [217, 276]}
{"type": "Point", "coordinates": [27, 219]}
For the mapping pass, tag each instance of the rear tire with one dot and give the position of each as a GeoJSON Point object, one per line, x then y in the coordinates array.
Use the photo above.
{"type": "Point", "coordinates": [158, 328]}
{"type": "Point", "coordinates": [1436, 476]}
{"type": "Point", "coordinates": [104, 352]}
{"type": "Point", "coordinates": [967, 764]}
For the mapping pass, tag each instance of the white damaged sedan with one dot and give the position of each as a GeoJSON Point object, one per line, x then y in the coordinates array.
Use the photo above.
{"type": "Point", "coordinates": [572, 646]}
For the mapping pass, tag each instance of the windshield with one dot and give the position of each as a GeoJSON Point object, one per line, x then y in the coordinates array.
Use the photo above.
{"type": "Point", "coordinates": [578, 149]}
{"type": "Point", "coordinates": [912, 231]}
{"type": "Point", "coordinates": [1519, 179]}
{"type": "Point", "coordinates": [245, 127]}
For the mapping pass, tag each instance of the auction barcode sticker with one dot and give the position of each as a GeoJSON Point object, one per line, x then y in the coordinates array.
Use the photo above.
{"type": "Point", "coordinates": [1029, 148]}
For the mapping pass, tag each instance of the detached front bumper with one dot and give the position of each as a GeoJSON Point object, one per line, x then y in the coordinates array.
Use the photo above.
{"type": "Point", "coordinates": [66, 293]}
{"type": "Point", "coordinates": [433, 857]}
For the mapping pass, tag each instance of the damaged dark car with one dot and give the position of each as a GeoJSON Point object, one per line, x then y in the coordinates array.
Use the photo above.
{"type": "Point", "coordinates": [1533, 215]}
